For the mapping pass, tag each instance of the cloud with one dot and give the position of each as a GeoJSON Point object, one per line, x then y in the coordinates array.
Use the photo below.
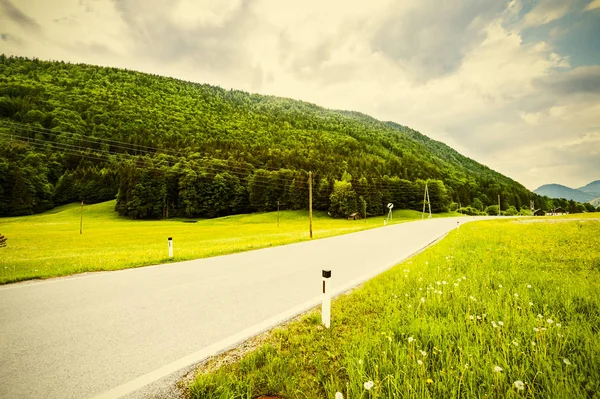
{"type": "Point", "coordinates": [546, 11]}
{"type": "Point", "coordinates": [592, 5]}
{"type": "Point", "coordinates": [18, 16]}
{"type": "Point", "coordinates": [431, 40]}
{"type": "Point", "coordinates": [575, 81]}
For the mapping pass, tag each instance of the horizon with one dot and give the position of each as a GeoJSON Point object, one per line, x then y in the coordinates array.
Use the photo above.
{"type": "Point", "coordinates": [514, 86]}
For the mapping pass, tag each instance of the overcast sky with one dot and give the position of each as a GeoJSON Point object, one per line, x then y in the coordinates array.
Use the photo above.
{"type": "Point", "coordinates": [514, 85]}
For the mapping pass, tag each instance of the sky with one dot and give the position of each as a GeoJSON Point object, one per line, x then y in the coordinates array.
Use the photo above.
{"type": "Point", "coordinates": [514, 85]}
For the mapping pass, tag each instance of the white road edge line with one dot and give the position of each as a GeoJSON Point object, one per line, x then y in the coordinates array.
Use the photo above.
{"type": "Point", "coordinates": [236, 339]}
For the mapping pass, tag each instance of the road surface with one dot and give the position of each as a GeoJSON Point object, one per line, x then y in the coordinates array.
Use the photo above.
{"type": "Point", "coordinates": [111, 333]}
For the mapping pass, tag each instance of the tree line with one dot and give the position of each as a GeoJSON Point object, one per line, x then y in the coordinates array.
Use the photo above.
{"type": "Point", "coordinates": [164, 148]}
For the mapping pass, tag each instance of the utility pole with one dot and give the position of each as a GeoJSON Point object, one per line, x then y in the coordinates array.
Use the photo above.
{"type": "Point", "coordinates": [81, 219]}
{"type": "Point", "coordinates": [310, 202]}
{"type": "Point", "coordinates": [365, 210]}
{"type": "Point", "coordinates": [277, 213]}
{"type": "Point", "coordinates": [498, 204]}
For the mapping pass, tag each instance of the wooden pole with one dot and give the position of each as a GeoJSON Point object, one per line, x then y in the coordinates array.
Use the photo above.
{"type": "Point", "coordinates": [310, 202]}
{"type": "Point", "coordinates": [81, 219]}
{"type": "Point", "coordinates": [277, 213]}
{"type": "Point", "coordinates": [365, 210]}
{"type": "Point", "coordinates": [498, 204]}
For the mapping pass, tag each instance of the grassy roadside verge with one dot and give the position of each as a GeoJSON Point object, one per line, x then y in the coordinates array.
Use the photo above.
{"type": "Point", "coordinates": [49, 244]}
{"type": "Point", "coordinates": [506, 308]}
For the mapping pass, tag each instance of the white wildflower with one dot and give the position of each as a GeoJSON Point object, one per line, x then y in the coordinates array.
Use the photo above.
{"type": "Point", "coordinates": [420, 362]}
{"type": "Point", "coordinates": [478, 317]}
{"type": "Point", "coordinates": [499, 285]}
{"type": "Point", "coordinates": [494, 324]}
{"type": "Point", "coordinates": [338, 395]}
{"type": "Point", "coordinates": [549, 321]}
{"type": "Point", "coordinates": [497, 369]}
{"type": "Point", "coordinates": [540, 316]}
{"type": "Point", "coordinates": [528, 285]}
{"type": "Point", "coordinates": [471, 317]}
{"type": "Point", "coordinates": [516, 295]}
{"type": "Point", "coordinates": [456, 284]}
{"type": "Point", "coordinates": [444, 282]}
{"type": "Point", "coordinates": [410, 339]}
{"type": "Point", "coordinates": [515, 343]}
{"type": "Point", "coordinates": [519, 385]}
{"type": "Point", "coordinates": [558, 325]}
{"type": "Point", "coordinates": [500, 323]}
{"type": "Point", "coordinates": [532, 343]}
{"type": "Point", "coordinates": [472, 298]}
{"type": "Point", "coordinates": [423, 353]}
{"type": "Point", "coordinates": [422, 299]}
{"type": "Point", "coordinates": [530, 303]}
{"type": "Point", "coordinates": [368, 385]}
{"type": "Point", "coordinates": [536, 329]}
{"type": "Point", "coordinates": [438, 283]}
{"type": "Point", "coordinates": [567, 361]}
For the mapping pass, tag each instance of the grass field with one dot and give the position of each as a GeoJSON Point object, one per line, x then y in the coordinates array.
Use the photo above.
{"type": "Point", "coordinates": [49, 244]}
{"type": "Point", "coordinates": [498, 309]}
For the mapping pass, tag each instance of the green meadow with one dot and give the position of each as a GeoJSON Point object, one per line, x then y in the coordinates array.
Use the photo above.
{"type": "Point", "coordinates": [49, 244]}
{"type": "Point", "coordinates": [498, 309]}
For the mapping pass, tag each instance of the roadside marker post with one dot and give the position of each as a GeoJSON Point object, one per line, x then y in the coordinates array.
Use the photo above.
{"type": "Point", "coordinates": [326, 305]}
{"type": "Point", "coordinates": [170, 247]}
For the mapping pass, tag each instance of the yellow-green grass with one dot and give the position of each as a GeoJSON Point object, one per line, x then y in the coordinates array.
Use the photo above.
{"type": "Point", "coordinates": [49, 244]}
{"type": "Point", "coordinates": [498, 309]}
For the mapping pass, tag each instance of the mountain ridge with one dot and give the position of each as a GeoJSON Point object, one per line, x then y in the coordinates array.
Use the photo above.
{"type": "Point", "coordinates": [554, 190]}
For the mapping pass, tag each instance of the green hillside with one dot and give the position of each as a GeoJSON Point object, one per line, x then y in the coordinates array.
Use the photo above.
{"type": "Point", "coordinates": [166, 147]}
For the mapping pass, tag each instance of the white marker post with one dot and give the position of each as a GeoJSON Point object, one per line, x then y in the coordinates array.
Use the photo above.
{"type": "Point", "coordinates": [326, 306]}
{"type": "Point", "coordinates": [170, 247]}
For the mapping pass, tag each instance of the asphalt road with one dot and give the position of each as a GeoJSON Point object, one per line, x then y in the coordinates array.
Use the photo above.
{"type": "Point", "coordinates": [112, 332]}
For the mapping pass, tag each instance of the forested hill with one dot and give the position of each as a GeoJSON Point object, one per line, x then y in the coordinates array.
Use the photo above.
{"type": "Point", "coordinates": [166, 147]}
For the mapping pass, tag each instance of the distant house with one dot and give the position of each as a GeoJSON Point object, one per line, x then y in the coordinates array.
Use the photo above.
{"type": "Point", "coordinates": [354, 216]}
{"type": "Point", "coordinates": [557, 212]}
{"type": "Point", "coordinates": [539, 212]}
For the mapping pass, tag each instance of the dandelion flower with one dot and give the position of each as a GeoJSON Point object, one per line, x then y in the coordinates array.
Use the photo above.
{"type": "Point", "coordinates": [499, 285]}
{"type": "Point", "coordinates": [410, 339]}
{"type": "Point", "coordinates": [420, 362]}
{"type": "Point", "coordinates": [471, 317]}
{"type": "Point", "coordinates": [567, 361]}
{"type": "Point", "coordinates": [494, 324]}
{"type": "Point", "coordinates": [528, 285]}
{"type": "Point", "coordinates": [422, 299]}
{"type": "Point", "coordinates": [478, 317]}
{"type": "Point", "coordinates": [540, 316]}
{"type": "Point", "coordinates": [338, 395]}
{"type": "Point", "coordinates": [532, 343]}
{"type": "Point", "coordinates": [536, 329]}
{"type": "Point", "coordinates": [519, 385]}
{"type": "Point", "coordinates": [497, 369]}
{"type": "Point", "coordinates": [429, 380]}
{"type": "Point", "coordinates": [368, 385]}
{"type": "Point", "coordinates": [550, 321]}
{"type": "Point", "coordinates": [500, 323]}
{"type": "Point", "coordinates": [423, 353]}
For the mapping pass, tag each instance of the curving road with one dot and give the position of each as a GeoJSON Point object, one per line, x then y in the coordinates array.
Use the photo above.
{"type": "Point", "coordinates": [109, 334]}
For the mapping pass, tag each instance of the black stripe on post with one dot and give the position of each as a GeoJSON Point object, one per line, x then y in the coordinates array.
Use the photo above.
{"type": "Point", "coordinates": [326, 273]}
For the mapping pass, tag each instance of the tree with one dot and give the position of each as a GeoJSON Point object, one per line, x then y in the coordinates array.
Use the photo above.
{"type": "Point", "coordinates": [477, 204]}
{"type": "Point", "coordinates": [343, 201]}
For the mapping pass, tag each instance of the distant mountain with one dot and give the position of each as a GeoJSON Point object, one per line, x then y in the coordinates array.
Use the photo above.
{"type": "Point", "coordinates": [591, 188]}
{"type": "Point", "coordinates": [560, 191]}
